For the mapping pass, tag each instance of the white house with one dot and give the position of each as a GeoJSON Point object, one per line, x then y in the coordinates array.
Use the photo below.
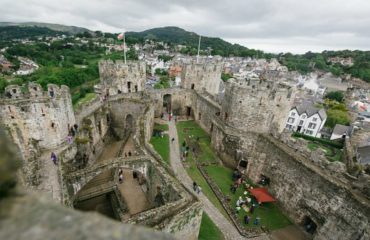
{"type": "Point", "coordinates": [307, 119]}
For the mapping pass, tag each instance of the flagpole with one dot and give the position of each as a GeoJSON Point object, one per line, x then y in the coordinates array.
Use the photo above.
{"type": "Point", "coordinates": [124, 46]}
{"type": "Point", "coordinates": [198, 48]}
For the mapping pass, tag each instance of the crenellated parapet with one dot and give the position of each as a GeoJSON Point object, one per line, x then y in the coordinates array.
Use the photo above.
{"type": "Point", "coordinates": [33, 91]}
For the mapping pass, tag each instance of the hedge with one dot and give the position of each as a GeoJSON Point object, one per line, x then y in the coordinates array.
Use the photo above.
{"type": "Point", "coordinates": [334, 144]}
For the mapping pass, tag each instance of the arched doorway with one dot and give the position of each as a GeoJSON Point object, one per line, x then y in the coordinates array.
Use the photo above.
{"type": "Point", "coordinates": [167, 98]}
{"type": "Point", "coordinates": [129, 124]}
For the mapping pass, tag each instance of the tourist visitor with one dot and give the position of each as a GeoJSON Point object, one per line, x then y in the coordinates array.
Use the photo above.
{"type": "Point", "coordinates": [246, 219]}
{"type": "Point", "coordinates": [120, 178]}
{"type": "Point", "coordinates": [51, 92]}
{"type": "Point", "coordinates": [54, 158]}
{"type": "Point", "coordinates": [72, 131]}
{"type": "Point", "coordinates": [256, 221]}
{"type": "Point", "coordinates": [172, 140]}
{"type": "Point", "coordinates": [129, 153]}
{"type": "Point", "coordinates": [69, 139]}
{"type": "Point", "coordinates": [195, 186]}
{"type": "Point", "coordinates": [240, 202]}
{"type": "Point", "coordinates": [233, 188]}
{"type": "Point", "coordinates": [199, 189]}
{"type": "Point", "coordinates": [251, 209]}
{"type": "Point", "coordinates": [75, 127]}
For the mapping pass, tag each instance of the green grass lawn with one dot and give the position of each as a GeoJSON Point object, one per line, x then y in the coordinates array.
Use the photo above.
{"type": "Point", "coordinates": [162, 145]}
{"type": "Point", "coordinates": [270, 215]}
{"type": "Point", "coordinates": [333, 154]}
{"type": "Point", "coordinates": [208, 230]}
{"type": "Point", "coordinates": [88, 98]}
{"type": "Point", "coordinates": [193, 130]}
{"type": "Point", "coordinates": [163, 127]}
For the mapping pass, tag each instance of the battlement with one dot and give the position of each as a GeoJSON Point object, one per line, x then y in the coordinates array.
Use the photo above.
{"type": "Point", "coordinates": [120, 64]}
{"type": "Point", "coordinates": [257, 84]}
{"type": "Point", "coordinates": [200, 67]}
{"type": "Point", "coordinates": [34, 91]}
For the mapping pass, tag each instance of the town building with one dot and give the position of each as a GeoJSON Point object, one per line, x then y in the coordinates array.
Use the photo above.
{"type": "Point", "coordinates": [306, 119]}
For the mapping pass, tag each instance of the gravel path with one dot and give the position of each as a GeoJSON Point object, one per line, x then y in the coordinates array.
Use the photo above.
{"type": "Point", "coordinates": [221, 222]}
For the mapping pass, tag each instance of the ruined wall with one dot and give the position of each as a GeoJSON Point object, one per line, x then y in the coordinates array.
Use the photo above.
{"type": "Point", "coordinates": [180, 100]}
{"type": "Point", "coordinates": [185, 224]}
{"type": "Point", "coordinates": [94, 133]}
{"type": "Point", "coordinates": [156, 177]}
{"type": "Point", "coordinates": [125, 115]}
{"type": "Point", "coordinates": [36, 120]}
{"type": "Point", "coordinates": [256, 105]}
{"type": "Point", "coordinates": [202, 77]}
{"type": "Point", "coordinates": [232, 145]}
{"type": "Point", "coordinates": [304, 190]}
{"type": "Point", "coordinates": [205, 111]}
{"type": "Point", "coordinates": [32, 114]}
{"type": "Point", "coordinates": [118, 77]}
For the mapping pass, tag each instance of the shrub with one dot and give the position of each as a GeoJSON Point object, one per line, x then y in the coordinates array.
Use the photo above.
{"type": "Point", "coordinates": [334, 144]}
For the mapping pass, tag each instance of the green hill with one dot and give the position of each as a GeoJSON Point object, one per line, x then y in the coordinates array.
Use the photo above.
{"type": "Point", "coordinates": [175, 35]}
{"type": "Point", "coordinates": [16, 32]}
{"type": "Point", "coordinates": [51, 26]}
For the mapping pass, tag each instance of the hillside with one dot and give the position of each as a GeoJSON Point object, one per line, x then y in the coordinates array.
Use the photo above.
{"type": "Point", "coordinates": [175, 35]}
{"type": "Point", "coordinates": [51, 26]}
{"type": "Point", "coordinates": [15, 32]}
{"type": "Point", "coordinates": [303, 63]}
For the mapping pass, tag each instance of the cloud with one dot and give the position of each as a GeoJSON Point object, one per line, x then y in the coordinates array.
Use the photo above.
{"type": "Point", "coordinates": [280, 25]}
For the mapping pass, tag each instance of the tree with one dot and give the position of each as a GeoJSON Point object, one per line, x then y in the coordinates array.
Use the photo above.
{"type": "Point", "coordinates": [336, 117]}
{"type": "Point", "coordinates": [226, 76]}
{"type": "Point", "coordinates": [337, 96]}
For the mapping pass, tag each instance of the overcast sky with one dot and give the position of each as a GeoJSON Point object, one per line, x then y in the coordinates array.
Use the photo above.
{"type": "Point", "coordinates": [271, 25]}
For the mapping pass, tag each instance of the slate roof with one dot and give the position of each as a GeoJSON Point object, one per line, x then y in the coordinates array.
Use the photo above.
{"type": "Point", "coordinates": [341, 129]}
{"type": "Point", "coordinates": [310, 110]}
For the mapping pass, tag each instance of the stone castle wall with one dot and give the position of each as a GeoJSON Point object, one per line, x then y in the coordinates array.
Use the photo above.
{"type": "Point", "coordinates": [125, 115]}
{"type": "Point", "coordinates": [256, 105]}
{"type": "Point", "coordinates": [186, 224]}
{"type": "Point", "coordinates": [118, 77]}
{"type": "Point", "coordinates": [180, 100]}
{"type": "Point", "coordinates": [32, 114]}
{"type": "Point", "coordinates": [202, 77]}
{"type": "Point", "coordinates": [305, 190]}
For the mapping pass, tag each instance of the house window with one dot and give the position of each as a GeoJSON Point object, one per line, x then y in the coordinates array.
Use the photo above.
{"type": "Point", "coordinates": [314, 119]}
{"type": "Point", "coordinates": [309, 132]}
{"type": "Point", "coordinates": [290, 120]}
{"type": "Point", "coordinates": [303, 116]}
{"type": "Point", "coordinates": [288, 126]}
{"type": "Point", "coordinates": [292, 114]}
{"type": "Point", "coordinates": [301, 123]}
{"type": "Point", "coordinates": [312, 125]}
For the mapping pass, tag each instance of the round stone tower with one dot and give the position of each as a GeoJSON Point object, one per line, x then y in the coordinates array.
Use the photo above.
{"type": "Point", "coordinates": [256, 105]}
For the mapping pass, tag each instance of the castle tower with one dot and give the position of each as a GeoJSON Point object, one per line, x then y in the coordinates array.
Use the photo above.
{"type": "Point", "coordinates": [35, 117]}
{"type": "Point", "coordinates": [256, 105]}
{"type": "Point", "coordinates": [202, 77]}
{"type": "Point", "coordinates": [118, 77]}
